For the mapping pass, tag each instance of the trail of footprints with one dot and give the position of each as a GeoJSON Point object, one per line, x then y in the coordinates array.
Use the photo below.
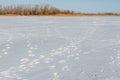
{"type": "Point", "coordinates": [27, 64]}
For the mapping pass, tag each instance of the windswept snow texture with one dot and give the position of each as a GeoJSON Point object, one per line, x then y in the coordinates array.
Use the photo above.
{"type": "Point", "coordinates": [59, 48]}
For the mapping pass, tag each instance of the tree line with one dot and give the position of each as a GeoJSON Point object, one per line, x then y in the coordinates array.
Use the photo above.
{"type": "Point", "coordinates": [32, 10]}
{"type": "Point", "coordinates": [43, 10]}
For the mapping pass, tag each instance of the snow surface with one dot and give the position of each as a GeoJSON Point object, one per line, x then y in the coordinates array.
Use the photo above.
{"type": "Point", "coordinates": [59, 48]}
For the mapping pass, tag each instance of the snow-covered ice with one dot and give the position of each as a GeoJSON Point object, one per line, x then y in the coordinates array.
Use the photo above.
{"type": "Point", "coordinates": [59, 48]}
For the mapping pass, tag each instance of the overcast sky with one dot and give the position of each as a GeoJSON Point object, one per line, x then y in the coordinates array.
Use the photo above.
{"type": "Point", "coordinates": [88, 6]}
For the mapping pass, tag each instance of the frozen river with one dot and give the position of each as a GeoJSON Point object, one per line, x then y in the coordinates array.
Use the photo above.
{"type": "Point", "coordinates": [59, 48]}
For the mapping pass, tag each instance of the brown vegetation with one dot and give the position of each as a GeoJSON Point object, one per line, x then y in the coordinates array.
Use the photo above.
{"type": "Point", "coordinates": [42, 10]}
{"type": "Point", "coordinates": [32, 10]}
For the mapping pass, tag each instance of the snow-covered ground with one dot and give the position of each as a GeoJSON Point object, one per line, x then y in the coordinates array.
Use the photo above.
{"type": "Point", "coordinates": [59, 48]}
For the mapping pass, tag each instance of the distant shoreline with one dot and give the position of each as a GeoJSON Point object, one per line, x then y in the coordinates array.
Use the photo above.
{"type": "Point", "coordinates": [44, 10]}
{"type": "Point", "coordinates": [64, 15]}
